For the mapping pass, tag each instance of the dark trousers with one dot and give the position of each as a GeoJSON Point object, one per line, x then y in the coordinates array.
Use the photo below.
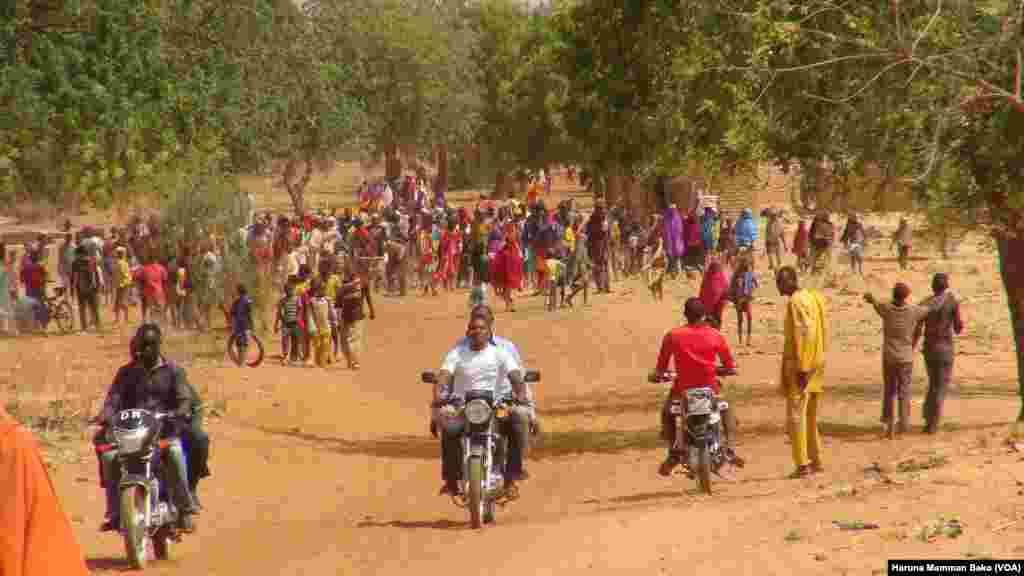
{"type": "Point", "coordinates": [940, 372]}
{"type": "Point", "coordinates": [451, 449]}
{"type": "Point", "coordinates": [897, 378]}
{"type": "Point", "coordinates": [89, 305]}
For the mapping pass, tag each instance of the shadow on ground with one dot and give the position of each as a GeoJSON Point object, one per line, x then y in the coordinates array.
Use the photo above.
{"type": "Point", "coordinates": [650, 400]}
{"type": "Point", "coordinates": [107, 565]}
{"type": "Point", "coordinates": [580, 441]}
{"type": "Point", "coordinates": [442, 524]}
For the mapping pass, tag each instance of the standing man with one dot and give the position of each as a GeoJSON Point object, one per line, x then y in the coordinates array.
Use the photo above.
{"type": "Point", "coordinates": [899, 320]}
{"type": "Point", "coordinates": [774, 239]}
{"type": "Point", "coordinates": [938, 326]}
{"type": "Point", "coordinates": [85, 285]}
{"type": "Point", "coordinates": [352, 293]}
{"type": "Point", "coordinates": [803, 369]}
{"type": "Point", "coordinates": [597, 233]}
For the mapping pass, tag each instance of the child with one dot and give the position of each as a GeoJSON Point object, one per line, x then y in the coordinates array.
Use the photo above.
{"type": "Point", "coordinates": [556, 282]}
{"type": "Point", "coordinates": [654, 272]}
{"type": "Point", "coordinates": [181, 290]}
{"type": "Point", "coordinates": [123, 281]}
{"type": "Point", "coordinates": [241, 322]}
{"type": "Point", "coordinates": [478, 295]}
{"type": "Point", "coordinates": [581, 281]}
{"type": "Point", "coordinates": [714, 292]}
{"type": "Point", "coordinates": [288, 310]}
{"type": "Point", "coordinates": [321, 312]}
{"type": "Point", "coordinates": [741, 291]}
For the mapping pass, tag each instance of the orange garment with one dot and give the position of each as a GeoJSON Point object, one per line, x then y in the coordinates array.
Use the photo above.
{"type": "Point", "coordinates": [35, 536]}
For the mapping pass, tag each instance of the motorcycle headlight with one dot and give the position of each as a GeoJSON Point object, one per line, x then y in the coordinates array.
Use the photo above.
{"type": "Point", "coordinates": [130, 441]}
{"type": "Point", "coordinates": [477, 412]}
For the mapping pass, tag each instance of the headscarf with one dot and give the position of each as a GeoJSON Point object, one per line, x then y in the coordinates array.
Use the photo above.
{"type": "Point", "coordinates": [714, 286]}
{"type": "Point", "coordinates": [672, 232]}
{"type": "Point", "coordinates": [746, 229]}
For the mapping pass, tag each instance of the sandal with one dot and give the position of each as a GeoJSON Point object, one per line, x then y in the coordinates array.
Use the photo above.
{"type": "Point", "coordinates": [800, 472]}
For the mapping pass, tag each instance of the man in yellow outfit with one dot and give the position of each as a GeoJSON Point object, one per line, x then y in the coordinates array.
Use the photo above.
{"type": "Point", "coordinates": [803, 369]}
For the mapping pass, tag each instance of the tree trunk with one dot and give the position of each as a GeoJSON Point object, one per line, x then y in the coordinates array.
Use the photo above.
{"type": "Point", "coordinates": [613, 193]}
{"type": "Point", "coordinates": [500, 186]}
{"type": "Point", "coordinates": [392, 162]}
{"type": "Point", "coordinates": [296, 176]}
{"type": "Point", "coordinates": [1011, 267]}
{"type": "Point", "coordinates": [442, 166]}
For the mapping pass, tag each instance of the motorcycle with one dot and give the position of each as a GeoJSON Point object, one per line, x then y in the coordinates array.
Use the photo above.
{"type": "Point", "coordinates": [483, 451]}
{"type": "Point", "coordinates": [149, 518]}
{"type": "Point", "coordinates": [700, 448]}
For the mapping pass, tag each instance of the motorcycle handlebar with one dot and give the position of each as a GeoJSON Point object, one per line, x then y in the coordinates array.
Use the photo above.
{"type": "Point", "coordinates": [669, 375]}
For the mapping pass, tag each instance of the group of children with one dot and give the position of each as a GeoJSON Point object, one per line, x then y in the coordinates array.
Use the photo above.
{"type": "Point", "coordinates": [320, 317]}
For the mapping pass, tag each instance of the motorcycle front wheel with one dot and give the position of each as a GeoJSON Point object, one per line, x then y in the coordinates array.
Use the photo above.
{"type": "Point", "coordinates": [476, 485]}
{"type": "Point", "coordinates": [134, 501]}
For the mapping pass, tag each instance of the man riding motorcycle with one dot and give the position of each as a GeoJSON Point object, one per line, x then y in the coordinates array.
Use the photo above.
{"type": "Point", "coordinates": [151, 383]}
{"type": "Point", "coordinates": [525, 411]}
{"type": "Point", "coordinates": [478, 365]}
{"type": "Point", "coordinates": [195, 439]}
{"type": "Point", "coordinates": [694, 349]}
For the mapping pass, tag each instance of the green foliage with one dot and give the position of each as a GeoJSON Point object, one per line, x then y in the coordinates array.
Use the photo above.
{"type": "Point", "coordinates": [522, 88]}
{"type": "Point", "coordinates": [100, 102]}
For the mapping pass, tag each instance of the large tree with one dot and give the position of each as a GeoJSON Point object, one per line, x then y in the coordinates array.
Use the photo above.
{"type": "Point", "coordinates": [930, 90]}
{"type": "Point", "coordinates": [522, 91]}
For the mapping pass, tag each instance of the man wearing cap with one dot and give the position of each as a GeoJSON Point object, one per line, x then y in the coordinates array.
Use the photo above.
{"type": "Point", "coordinates": [899, 319]}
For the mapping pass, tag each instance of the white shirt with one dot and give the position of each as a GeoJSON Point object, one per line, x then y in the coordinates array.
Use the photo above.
{"type": "Point", "coordinates": [478, 370]}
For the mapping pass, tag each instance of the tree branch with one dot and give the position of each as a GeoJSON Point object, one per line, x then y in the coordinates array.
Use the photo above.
{"type": "Point", "coordinates": [931, 22]}
{"type": "Point", "coordinates": [863, 87]}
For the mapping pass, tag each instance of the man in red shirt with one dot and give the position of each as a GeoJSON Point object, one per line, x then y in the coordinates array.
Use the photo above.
{"type": "Point", "coordinates": [695, 350]}
{"type": "Point", "coordinates": [152, 276]}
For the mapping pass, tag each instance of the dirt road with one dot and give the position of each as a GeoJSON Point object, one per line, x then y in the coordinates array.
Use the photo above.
{"type": "Point", "coordinates": [331, 472]}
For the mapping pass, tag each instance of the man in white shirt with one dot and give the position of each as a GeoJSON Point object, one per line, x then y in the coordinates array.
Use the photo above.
{"type": "Point", "coordinates": [480, 365]}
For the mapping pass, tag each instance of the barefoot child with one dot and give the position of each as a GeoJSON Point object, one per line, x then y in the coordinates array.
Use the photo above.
{"type": "Point", "coordinates": [287, 321]}
{"type": "Point", "coordinates": [320, 326]}
{"type": "Point", "coordinates": [741, 291]}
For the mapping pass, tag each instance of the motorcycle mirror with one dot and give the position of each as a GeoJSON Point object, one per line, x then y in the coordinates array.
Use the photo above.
{"type": "Point", "coordinates": [428, 377]}
{"type": "Point", "coordinates": [532, 376]}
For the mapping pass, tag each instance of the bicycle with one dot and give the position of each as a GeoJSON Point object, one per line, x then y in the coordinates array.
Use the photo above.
{"type": "Point", "coordinates": [58, 309]}
{"type": "Point", "coordinates": [253, 354]}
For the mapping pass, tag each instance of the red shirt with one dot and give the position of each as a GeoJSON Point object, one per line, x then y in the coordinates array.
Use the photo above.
{"type": "Point", "coordinates": [695, 350]}
{"type": "Point", "coordinates": [153, 277]}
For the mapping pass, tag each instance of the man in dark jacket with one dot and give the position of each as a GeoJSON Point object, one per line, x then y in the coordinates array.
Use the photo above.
{"type": "Point", "coordinates": [938, 327]}
{"type": "Point", "coordinates": [149, 382]}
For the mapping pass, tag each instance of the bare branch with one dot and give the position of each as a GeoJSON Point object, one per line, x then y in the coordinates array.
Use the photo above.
{"type": "Point", "coordinates": [831, 61]}
{"type": "Point", "coordinates": [940, 125]}
{"type": "Point", "coordinates": [931, 22]}
{"type": "Point", "coordinates": [863, 86]}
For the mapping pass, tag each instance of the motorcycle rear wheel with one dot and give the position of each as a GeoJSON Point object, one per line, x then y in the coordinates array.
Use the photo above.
{"type": "Point", "coordinates": [476, 481]}
{"type": "Point", "coordinates": [162, 544]}
{"type": "Point", "coordinates": [134, 501]}
{"type": "Point", "coordinates": [704, 469]}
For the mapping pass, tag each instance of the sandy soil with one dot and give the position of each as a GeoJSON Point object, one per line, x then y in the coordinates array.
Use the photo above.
{"type": "Point", "coordinates": [333, 472]}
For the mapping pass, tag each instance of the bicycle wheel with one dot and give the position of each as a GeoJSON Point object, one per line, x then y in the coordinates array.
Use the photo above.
{"type": "Point", "coordinates": [253, 351]}
{"type": "Point", "coordinates": [62, 315]}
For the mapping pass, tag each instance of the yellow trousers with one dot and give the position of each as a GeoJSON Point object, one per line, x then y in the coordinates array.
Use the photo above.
{"type": "Point", "coordinates": [802, 426]}
{"type": "Point", "coordinates": [322, 349]}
